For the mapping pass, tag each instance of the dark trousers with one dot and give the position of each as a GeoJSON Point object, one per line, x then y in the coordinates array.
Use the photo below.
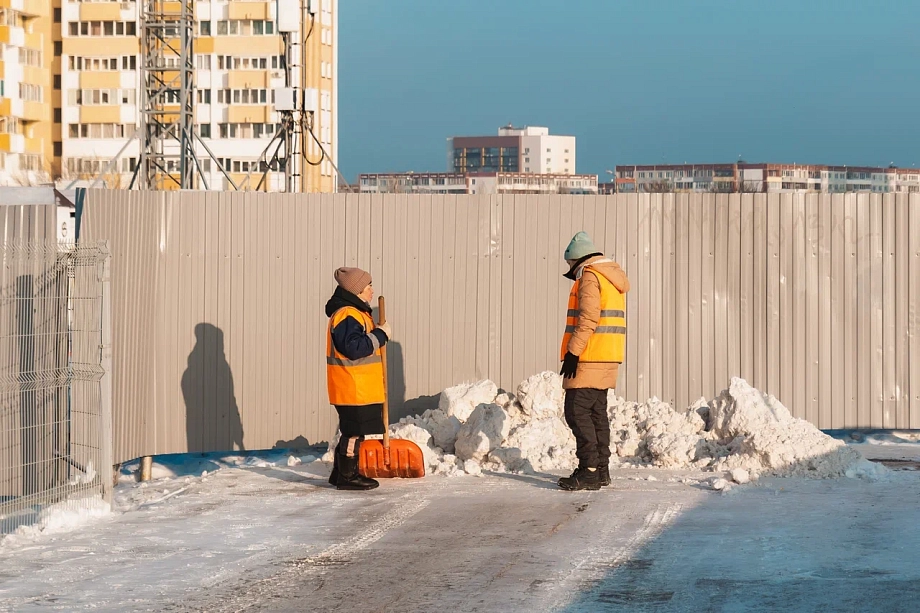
{"type": "Point", "coordinates": [586, 415]}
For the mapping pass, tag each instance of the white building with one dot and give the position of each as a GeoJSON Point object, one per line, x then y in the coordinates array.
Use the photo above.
{"type": "Point", "coordinates": [530, 149]}
{"type": "Point", "coordinates": [238, 64]}
{"type": "Point", "coordinates": [480, 183]}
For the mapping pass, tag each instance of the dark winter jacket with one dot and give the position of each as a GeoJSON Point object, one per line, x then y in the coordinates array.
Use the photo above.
{"type": "Point", "coordinates": [349, 337]}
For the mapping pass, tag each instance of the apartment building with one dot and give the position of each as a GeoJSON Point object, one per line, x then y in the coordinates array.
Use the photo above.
{"type": "Point", "coordinates": [238, 55]}
{"type": "Point", "coordinates": [482, 183]}
{"type": "Point", "coordinates": [25, 91]}
{"type": "Point", "coordinates": [765, 178]}
{"type": "Point", "coordinates": [530, 149]}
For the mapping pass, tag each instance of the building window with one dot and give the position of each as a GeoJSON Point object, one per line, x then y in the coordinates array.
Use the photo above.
{"type": "Point", "coordinates": [246, 130]}
{"type": "Point", "coordinates": [204, 130]}
{"type": "Point", "coordinates": [98, 130]}
{"type": "Point", "coordinates": [30, 57]}
{"type": "Point", "coordinates": [57, 15]}
{"type": "Point", "coordinates": [99, 64]}
{"type": "Point", "coordinates": [242, 96]}
{"type": "Point", "coordinates": [57, 115]}
{"type": "Point", "coordinates": [229, 62]}
{"type": "Point", "coordinates": [58, 48]}
{"type": "Point", "coordinates": [204, 28]}
{"type": "Point", "coordinates": [97, 97]}
{"type": "Point", "coordinates": [203, 62]}
{"type": "Point", "coordinates": [57, 81]}
{"type": "Point", "coordinates": [245, 27]}
{"type": "Point", "coordinates": [30, 93]}
{"type": "Point", "coordinates": [103, 28]}
{"type": "Point", "coordinates": [58, 149]}
{"type": "Point", "coordinates": [30, 162]}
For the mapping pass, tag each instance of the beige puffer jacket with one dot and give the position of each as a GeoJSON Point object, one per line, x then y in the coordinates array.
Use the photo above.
{"type": "Point", "coordinates": [593, 375]}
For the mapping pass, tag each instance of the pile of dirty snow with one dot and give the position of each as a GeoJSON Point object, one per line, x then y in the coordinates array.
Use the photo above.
{"type": "Point", "coordinates": [743, 432]}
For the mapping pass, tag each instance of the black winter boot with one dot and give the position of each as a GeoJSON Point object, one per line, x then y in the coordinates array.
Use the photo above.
{"type": "Point", "coordinates": [581, 479]}
{"type": "Point", "coordinates": [603, 475]}
{"type": "Point", "coordinates": [349, 478]}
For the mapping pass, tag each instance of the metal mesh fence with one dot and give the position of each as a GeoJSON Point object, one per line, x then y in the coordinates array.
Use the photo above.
{"type": "Point", "coordinates": [54, 422]}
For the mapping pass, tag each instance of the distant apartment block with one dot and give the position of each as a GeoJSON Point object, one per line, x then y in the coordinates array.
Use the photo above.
{"type": "Point", "coordinates": [763, 178]}
{"type": "Point", "coordinates": [530, 149]}
{"type": "Point", "coordinates": [71, 92]}
{"type": "Point", "coordinates": [26, 60]}
{"type": "Point", "coordinates": [477, 183]}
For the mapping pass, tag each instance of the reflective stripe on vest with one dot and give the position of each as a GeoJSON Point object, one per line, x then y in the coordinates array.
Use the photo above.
{"type": "Point", "coordinates": [352, 382]}
{"type": "Point", "coordinates": [608, 341]}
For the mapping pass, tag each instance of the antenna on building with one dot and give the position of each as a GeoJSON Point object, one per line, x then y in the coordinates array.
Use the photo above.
{"type": "Point", "coordinates": [168, 158]}
{"type": "Point", "coordinates": [297, 105]}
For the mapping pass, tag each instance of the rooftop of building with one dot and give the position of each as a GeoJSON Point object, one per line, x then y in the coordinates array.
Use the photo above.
{"type": "Point", "coordinates": [510, 131]}
{"type": "Point", "coordinates": [768, 166]}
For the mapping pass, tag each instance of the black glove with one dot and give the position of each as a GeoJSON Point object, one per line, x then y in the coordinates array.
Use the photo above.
{"type": "Point", "coordinates": [569, 366]}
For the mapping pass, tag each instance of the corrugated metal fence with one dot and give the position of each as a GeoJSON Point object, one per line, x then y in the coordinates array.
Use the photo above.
{"type": "Point", "coordinates": [219, 325]}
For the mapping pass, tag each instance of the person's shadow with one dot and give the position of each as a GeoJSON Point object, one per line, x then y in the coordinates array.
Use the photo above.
{"type": "Point", "coordinates": [212, 416]}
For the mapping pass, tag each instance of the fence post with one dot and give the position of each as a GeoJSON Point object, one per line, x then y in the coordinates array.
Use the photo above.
{"type": "Point", "coordinates": [105, 384]}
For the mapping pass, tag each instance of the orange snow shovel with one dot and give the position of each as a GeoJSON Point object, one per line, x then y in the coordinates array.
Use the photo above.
{"type": "Point", "coordinates": [396, 458]}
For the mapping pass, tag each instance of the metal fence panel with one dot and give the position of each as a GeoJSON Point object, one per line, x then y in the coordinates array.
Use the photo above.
{"type": "Point", "coordinates": [808, 297]}
{"type": "Point", "coordinates": [53, 427]}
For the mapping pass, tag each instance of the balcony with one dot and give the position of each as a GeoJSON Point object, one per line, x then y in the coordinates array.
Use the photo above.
{"type": "Point", "coordinates": [12, 143]}
{"type": "Point", "coordinates": [36, 111]}
{"type": "Point", "coordinates": [11, 35]}
{"type": "Point", "coordinates": [109, 113]}
{"type": "Point", "coordinates": [249, 113]}
{"type": "Point", "coordinates": [33, 8]}
{"type": "Point", "coordinates": [248, 10]}
{"type": "Point", "coordinates": [248, 79]}
{"type": "Point", "coordinates": [100, 11]}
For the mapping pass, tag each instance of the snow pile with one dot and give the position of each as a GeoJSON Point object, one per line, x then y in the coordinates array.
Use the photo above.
{"type": "Point", "coordinates": [756, 432]}
{"type": "Point", "coordinates": [653, 433]}
{"type": "Point", "coordinates": [59, 519]}
{"type": "Point", "coordinates": [742, 432]}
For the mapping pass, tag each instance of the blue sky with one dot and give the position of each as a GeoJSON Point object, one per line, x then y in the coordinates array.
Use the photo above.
{"type": "Point", "coordinates": [641, 82]}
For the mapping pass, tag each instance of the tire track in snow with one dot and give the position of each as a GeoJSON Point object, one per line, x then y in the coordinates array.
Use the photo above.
{"type": "Point", "coordinates": [251, 597]}
{"type": "Point", "coordinates": [590, 569]}
{"type": "Point", "coordinates": [334, 553]}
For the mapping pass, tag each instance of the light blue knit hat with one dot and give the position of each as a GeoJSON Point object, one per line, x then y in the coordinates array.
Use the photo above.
{"type": "Point", "coordinates": [580, 246]}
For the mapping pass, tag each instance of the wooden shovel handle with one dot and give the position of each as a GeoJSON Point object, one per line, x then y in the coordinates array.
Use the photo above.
{"type": "Point", "coordinates": [382, 316]}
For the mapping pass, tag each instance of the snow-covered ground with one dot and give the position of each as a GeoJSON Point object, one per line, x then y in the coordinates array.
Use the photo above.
{"type": "Point", "coordinates": [694, 520]}
{"type": "Point", "coordinates": [279, 538]}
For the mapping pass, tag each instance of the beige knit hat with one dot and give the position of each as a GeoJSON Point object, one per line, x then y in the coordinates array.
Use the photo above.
{"type": "Point", "coordinates": [352, 280]}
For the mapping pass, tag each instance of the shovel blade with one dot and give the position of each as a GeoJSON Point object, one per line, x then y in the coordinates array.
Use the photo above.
{"type": "Point", "coordinates": [406, 460]}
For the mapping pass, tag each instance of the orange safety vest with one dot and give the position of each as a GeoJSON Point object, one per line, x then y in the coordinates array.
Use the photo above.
{"type": "Point", "coordinates": [608, 343]}
{"type": "Point", "coordinates": [353, 382]}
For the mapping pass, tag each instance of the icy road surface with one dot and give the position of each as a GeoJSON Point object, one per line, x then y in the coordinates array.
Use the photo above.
{"type": "Point", "coordinates": [280, 539]}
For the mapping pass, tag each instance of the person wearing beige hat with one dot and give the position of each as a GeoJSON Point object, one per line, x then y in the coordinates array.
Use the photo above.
{"type": "Point", "coordinates": [354, 372]}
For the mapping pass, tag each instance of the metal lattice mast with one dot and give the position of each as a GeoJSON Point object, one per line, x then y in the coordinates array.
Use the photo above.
{"type": "Point", "coordinates": [168, 158]}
